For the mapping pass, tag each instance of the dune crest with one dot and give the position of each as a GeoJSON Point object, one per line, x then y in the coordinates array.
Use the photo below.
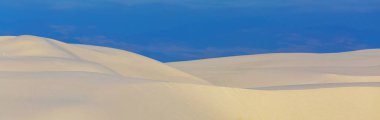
{"type": "Point", "coordinates": [26, 53]}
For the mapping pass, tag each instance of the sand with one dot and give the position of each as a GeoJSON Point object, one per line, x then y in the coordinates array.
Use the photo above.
{"type": "Point", "coordinates": [284, 69]}
{"type": "Point", "coordinates": [44, 79]}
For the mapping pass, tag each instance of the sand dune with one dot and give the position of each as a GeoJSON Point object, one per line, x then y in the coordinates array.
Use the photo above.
{"type": "Point", "coordinates": [86, 100]}
{"type": "Point", "coordinates": [319, 86]}
{"type": "Point", "coordinates": [27, 52]}
{"type": "Point", "coordinates": [44, 79]}
{"type": "Point", "coordinates": [287, 69]}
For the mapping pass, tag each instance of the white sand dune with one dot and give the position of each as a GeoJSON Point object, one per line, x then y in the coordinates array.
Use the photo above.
{"type": "Point", "coordinates": [287, 69]}
{"type": "Point", "coordinates": [43, 79]}
{"type": "Point", "coordinates": [84, 100]}
{"type": "Point", "coordinates": [29, 53]}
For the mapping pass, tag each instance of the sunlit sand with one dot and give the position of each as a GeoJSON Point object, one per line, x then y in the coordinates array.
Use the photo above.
{"type": "Point", "coordinates": [44, 79]}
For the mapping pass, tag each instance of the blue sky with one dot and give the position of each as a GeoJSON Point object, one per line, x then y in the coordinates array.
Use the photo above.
{"type": "Point", "coordinates": [174, 30]}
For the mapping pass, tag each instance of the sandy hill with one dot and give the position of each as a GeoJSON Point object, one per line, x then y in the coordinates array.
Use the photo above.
{"type": "Point", "coordinates": [36, 54]}
{"type": "Point", "coordinates": [44, 79]}
{"type": "Point", "coordinates": [287, 69]}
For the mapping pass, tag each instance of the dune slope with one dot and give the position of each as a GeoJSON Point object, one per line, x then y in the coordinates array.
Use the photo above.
{"type": "Point", "coordinates": [287, 69]}
{"type": "Point", "coordinates": [30, 53]}
{"type": "Point", "coordinates": [96, 100]}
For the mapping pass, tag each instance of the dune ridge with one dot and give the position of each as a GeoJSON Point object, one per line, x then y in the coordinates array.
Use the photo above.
{"type": "Point", "coordinates": [44, 79]}
{"type": "Point", "coordinates": [52, 52]}
{"type": "Point", "coordinates": [286, 69]}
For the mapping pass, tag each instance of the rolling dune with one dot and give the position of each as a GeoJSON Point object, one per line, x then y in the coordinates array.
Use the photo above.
{"type": "Point", "coordinates": [44, 79]}
{"type": "Point", "coordinates": [287, 69]}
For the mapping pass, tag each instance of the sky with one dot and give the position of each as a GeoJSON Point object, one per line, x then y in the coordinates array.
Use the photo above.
{"type": "Point", "coordinates": [177, 30]}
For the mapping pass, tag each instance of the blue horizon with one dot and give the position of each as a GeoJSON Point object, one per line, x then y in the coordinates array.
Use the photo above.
{"type": "Point", "coordinates": [176, 31]}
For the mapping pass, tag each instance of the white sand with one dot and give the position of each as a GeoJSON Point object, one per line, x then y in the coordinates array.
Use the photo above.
{"type": "Point", "coordinates": [287, 69]}
{"type": "Point", "coordinates": [35, 54]}
{"type": "Point", "coordinates": [43, 79]}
